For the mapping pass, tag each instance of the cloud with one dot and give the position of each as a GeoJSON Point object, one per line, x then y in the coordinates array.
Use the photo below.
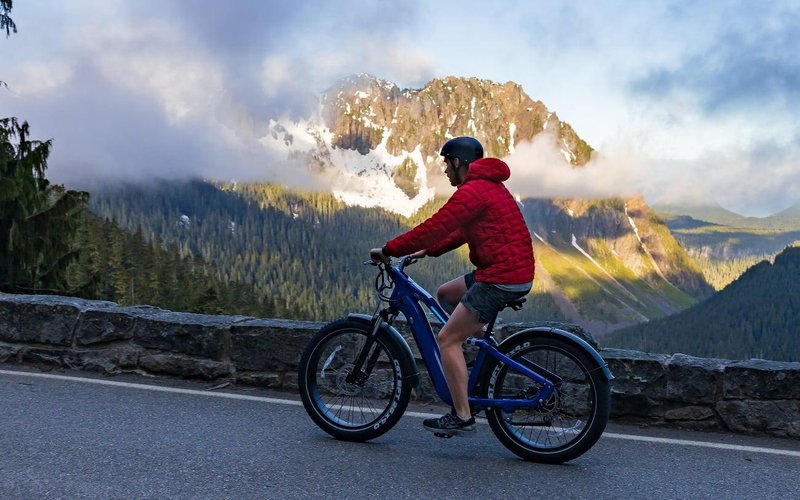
{"type": "Point", "coordinates": [105, 133]}
{"type": "Point", "coordinates": [749, 183]}
{"type": "Point", "coordinates": [277, 55]}
{"type": "Point", "coordinates": [746, 64]}
{"type": "Point", "coordinates": [133, 90]}
{"type": "Point", "coordinates": [402, 63]}
{"type": "Point", "coordinates": [40, 77]}
{"type": "Point", "coordinates": [176, 88]}
{"type": "Point", "coordinates": [539, 170]}
{"type": "Point", "coordinates": [758, 181]}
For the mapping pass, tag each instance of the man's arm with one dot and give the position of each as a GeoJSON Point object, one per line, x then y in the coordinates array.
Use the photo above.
{"type": "Point", "coordinates": [453, 241]}
{"type": "Point", "coordinates": [463, 206]}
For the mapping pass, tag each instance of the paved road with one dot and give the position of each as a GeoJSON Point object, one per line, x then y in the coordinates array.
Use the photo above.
{"type": "Point", "coordinates": [73, 438]}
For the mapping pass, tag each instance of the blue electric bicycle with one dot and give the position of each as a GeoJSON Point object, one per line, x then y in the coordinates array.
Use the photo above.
{"type": "Point", "coordinates": [545, 391]}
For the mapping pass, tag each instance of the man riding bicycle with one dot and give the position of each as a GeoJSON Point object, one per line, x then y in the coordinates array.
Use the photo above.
{"type": "Point", "coordinates": [484, 215]}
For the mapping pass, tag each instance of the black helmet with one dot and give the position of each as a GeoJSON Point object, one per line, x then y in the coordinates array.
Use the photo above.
{"type": "Point", "coordinates": [466, 149]}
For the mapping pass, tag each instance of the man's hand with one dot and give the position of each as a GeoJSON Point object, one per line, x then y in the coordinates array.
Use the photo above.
{"type": "Point", "coordinates": [376, 255]}
{"type": "Point", "coordinates": [418, 255]}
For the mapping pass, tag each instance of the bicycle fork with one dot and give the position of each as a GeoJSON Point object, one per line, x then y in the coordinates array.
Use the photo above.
{"type": "Point", "coordinates": [360, 373]}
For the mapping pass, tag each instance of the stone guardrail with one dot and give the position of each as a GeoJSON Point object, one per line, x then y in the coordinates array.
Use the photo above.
{"type": "Point", "coordinates": [753, 396]}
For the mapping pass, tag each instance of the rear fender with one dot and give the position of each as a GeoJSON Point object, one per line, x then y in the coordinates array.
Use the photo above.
{"type": "Point", "coordinates": [543, 331]}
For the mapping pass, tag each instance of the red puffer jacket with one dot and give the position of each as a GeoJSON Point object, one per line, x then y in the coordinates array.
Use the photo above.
{"type": "Point", "coordinates": [483, 214]}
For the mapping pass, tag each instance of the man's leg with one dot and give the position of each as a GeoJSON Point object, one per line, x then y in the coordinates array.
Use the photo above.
{"type": "Point", "coordinates": [463, 323]}
{"type": "Point", "coordinates": [450, 293]}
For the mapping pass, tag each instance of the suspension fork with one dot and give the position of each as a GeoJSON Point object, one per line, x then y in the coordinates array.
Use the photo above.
{"type": "Point", "coordinates": [361, 373]}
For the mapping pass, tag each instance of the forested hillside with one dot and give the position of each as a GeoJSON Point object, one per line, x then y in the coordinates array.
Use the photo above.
{"type": "Point", "coordinates": [123, 267]}
{"type": "Point", "coordinates": [600, 264]}
{"type": "Point", "coordinates": [306, 250]}
{"type": "Point", "coordinates": [758, 315]}
{"type": "Point", "coordinates": [612, 262]}
{"type": "Point", "coordinates": [724, 252]}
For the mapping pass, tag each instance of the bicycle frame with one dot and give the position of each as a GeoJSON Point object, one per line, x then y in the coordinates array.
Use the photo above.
{"type": "Point", "coordinates": [408, 298]}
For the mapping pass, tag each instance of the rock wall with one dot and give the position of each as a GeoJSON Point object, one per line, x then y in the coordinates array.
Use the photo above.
{"type": "Point", "coordinates": [754, 396]}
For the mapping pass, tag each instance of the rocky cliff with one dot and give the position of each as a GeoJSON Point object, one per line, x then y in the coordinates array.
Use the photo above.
{"type": "Point", "coordinates": [361, 111]}
{"type": "Point", "coordinates": [611, 262]}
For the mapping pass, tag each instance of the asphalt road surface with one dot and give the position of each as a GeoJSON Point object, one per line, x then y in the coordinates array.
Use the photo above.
{"type": "Point", "coordinates": [77, 435]}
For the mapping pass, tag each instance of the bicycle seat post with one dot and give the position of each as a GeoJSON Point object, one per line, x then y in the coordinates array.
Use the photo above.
{"type": "Point", "coordinates": [489, 326]}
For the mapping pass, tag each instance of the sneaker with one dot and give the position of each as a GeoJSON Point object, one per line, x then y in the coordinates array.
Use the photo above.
{"type": "Point", "coordinates": [450, 425]}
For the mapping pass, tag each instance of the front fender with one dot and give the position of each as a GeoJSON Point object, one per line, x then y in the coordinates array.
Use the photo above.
{"type": "Point", "coordinates": [393, 336]}
{"type": "Point", "coordinates": [546, 331]}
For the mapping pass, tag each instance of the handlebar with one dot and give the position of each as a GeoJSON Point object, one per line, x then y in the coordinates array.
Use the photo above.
{"type": "Point", "coordinates": [404, 262]}
{"type": "Point", "coordinates": [384, 279]}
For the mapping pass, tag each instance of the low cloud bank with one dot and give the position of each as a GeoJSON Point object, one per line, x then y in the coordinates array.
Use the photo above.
{"type": "Point", "coordinates": [758, 182]}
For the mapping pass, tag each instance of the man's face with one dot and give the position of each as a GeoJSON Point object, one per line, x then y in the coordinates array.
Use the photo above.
{"type": "Point", "coordinates": [451, 165]}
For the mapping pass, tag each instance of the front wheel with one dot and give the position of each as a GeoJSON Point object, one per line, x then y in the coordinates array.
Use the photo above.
{"type": "Point", "coordinates": [570, 421]}
{"type": "Point", "coordinates": [354, 408]}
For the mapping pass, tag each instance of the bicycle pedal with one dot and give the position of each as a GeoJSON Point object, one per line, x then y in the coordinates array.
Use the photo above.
{"type": "Point", "coordinates": [442, 435]}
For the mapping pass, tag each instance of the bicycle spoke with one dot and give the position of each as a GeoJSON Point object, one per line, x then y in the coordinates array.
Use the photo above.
{"type": "Point", "coordinates": [362, 403]}
{"type": "Point", "coordinates": [558, 421]}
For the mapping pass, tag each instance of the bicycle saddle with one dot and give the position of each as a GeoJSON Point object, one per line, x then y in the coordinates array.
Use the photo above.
{"type": "Point", "coordinates": [516, 304]}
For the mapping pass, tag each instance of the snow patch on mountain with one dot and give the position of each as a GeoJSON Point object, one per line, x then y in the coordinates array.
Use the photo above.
{"type": "Point", "coordinates": [361, 180]}
{"type": "Point", "coordinates": [366, 180]}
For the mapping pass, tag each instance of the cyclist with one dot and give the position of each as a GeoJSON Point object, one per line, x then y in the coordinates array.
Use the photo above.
{"type": "Point", "coordinates": [484, 215]}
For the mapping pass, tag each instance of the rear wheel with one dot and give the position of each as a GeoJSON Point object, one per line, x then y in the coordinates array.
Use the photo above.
{"type": "Point", "coordinates": [357, 409]}
{"type": "Point", "coordinates": [570, 421]}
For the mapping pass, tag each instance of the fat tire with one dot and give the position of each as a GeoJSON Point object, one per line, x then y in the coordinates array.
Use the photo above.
{"type": "Point", "coordinates": [401, 368]}
{"type": "Point", "coordinates": [598, 384]}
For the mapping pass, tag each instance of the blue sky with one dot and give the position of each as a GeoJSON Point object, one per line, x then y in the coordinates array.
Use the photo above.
{"type": "Point", "coordinates": [681, 98]}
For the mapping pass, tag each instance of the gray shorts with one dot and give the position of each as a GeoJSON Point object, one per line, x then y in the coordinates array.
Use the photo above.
{"type": "Point", "coordinates": [485, 299]}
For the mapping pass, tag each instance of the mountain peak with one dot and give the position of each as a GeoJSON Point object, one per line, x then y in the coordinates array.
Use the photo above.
{"type": "Point", "coordinates": [785, 220]}
{"type": "Point", "coordinates": [363, 82]}
{"type": "Point", "coordinates": [792, 211]}
{"type": "Point", "coordinates": [382, 143]}
{"type": "Point", "coordinates": [361, 110]}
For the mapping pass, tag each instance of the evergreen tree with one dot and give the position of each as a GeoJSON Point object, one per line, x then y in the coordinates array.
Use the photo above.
{"type": "Point", "coordinates": [6, 23]}
{"type": "Point", "coordinates": [757, 315]}
{"type": "Point", "coordinates": [39, 222]}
